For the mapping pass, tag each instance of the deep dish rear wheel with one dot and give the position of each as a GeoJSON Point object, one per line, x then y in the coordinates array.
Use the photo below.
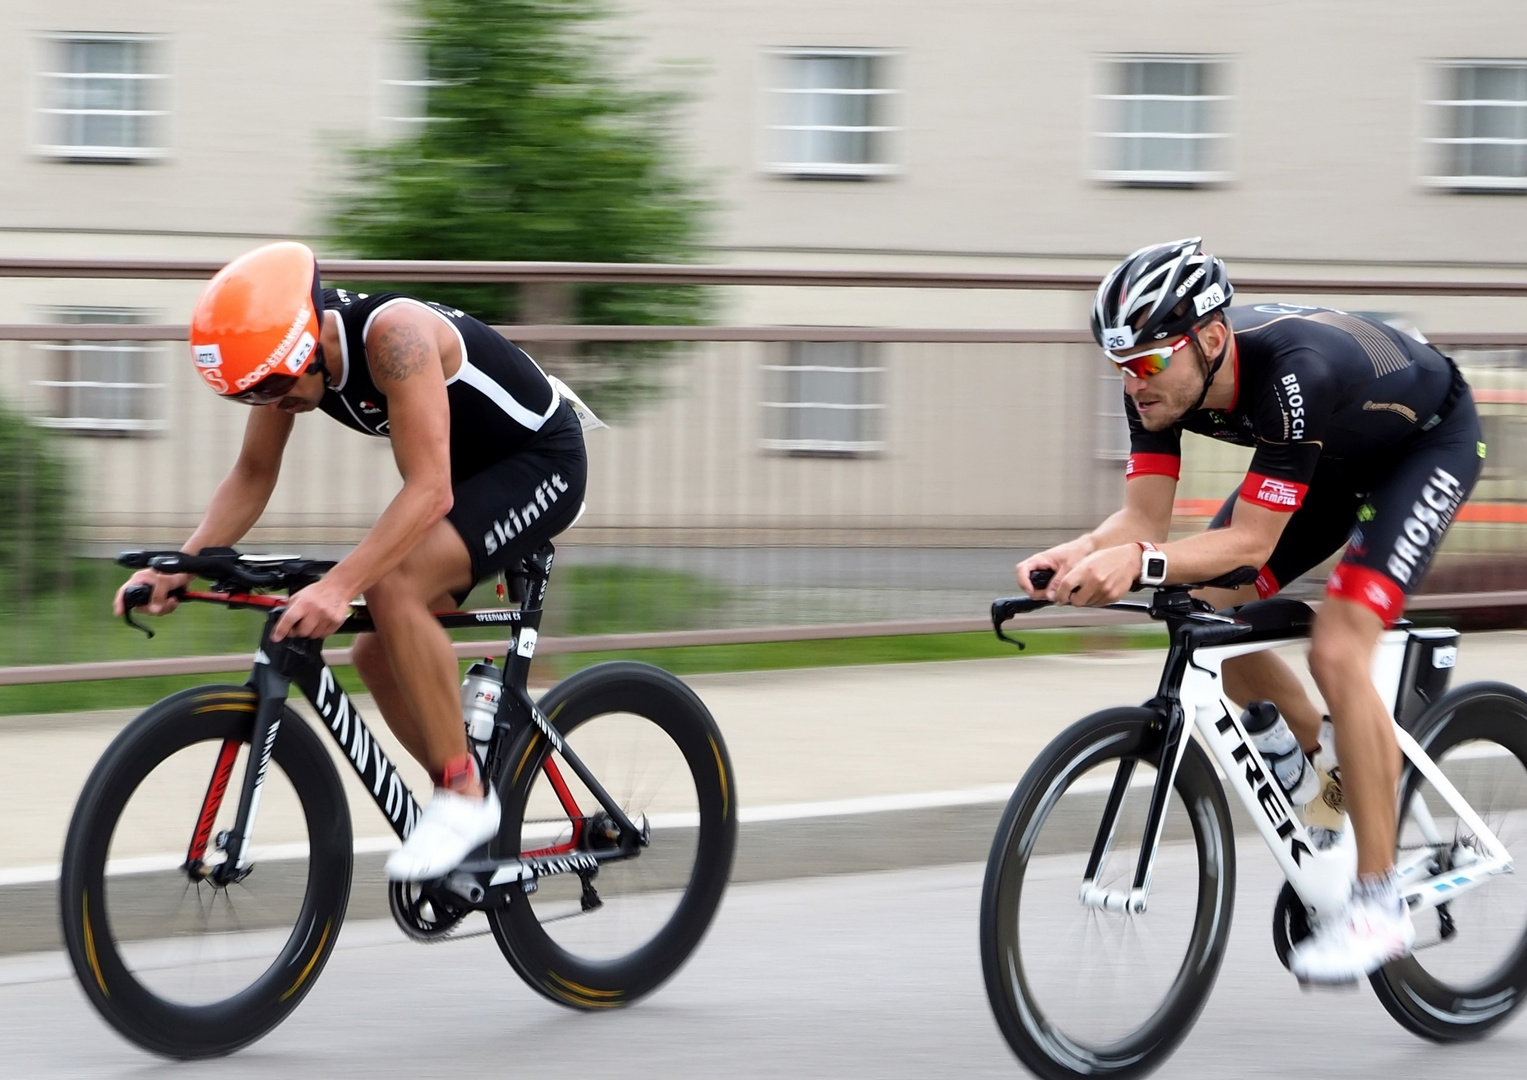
{"type": "Point", "coordinates": [177, 963]}
{"type": "Point", "coordinates": [602, 940]}
{"type": "Point", "coordinates": [1468, 972]}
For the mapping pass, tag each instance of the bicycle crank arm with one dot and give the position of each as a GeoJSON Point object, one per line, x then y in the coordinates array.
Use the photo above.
{"type": "Point", "coordinates": [492, 878]}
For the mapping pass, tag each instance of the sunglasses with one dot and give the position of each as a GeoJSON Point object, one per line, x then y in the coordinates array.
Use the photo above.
{"type": "Point", "coordinates": [268, 390]}
{"type": "Point", "coordinates": [1148, 362]}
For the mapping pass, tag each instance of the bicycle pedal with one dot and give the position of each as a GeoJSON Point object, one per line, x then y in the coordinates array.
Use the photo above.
{"type": "Point", "coordinates": [1310, 987]}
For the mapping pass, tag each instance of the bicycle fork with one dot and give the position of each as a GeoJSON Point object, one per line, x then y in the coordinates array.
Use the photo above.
{"type": "Point", "coordinates": [270, 697]}
{"type": "Point", "coordinates": [1174, 745]}
{"type": "Point", "coordinates": [1167, 704]}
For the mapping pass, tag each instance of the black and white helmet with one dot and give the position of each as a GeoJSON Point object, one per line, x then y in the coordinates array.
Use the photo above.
{"type": "Point", "coordinates": [1158, 292]}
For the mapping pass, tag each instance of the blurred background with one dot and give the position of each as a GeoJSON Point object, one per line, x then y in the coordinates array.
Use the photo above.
{"type": "Point", "coordinates": [875, 390]}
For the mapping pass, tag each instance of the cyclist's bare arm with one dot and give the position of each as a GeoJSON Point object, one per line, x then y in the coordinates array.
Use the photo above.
{"type": "Point", "coordinates": [405, 354]}
{"type": "Point", "coordinates": [1248, 540]}
{"type": "Point", "coordinates": [1107, 574]}
{"type": "Point", "coordinates": [1145, 515]}
{"type": "Point", "coordinates": [236, 505]}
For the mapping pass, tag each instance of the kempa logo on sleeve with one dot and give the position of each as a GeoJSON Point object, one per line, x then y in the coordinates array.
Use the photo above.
{"type": "Point", "coordinates": [1277, 493]}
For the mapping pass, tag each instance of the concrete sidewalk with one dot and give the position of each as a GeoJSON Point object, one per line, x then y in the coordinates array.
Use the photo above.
{"type": "Point", "coordinates": [845, 768]}
{"type": "Point", "coordinates": [796, 736]}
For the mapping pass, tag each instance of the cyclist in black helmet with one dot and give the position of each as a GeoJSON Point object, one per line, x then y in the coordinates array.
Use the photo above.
{"type": "Point", "coordinates": [1363, 436]}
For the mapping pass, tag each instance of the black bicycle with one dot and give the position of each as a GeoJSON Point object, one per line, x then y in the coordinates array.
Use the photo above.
{"type": "Point", "coordinates": [208, 862]}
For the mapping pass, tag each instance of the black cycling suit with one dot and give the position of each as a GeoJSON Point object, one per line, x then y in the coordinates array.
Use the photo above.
{"type": "Point", "coordinates": [1364, 434]}
{"type": "Point", "coordinates": [518, 468]}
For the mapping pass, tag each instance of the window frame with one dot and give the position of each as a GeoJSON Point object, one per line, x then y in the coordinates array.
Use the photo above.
{"type": "Point", "coordinates": [51, 115]}
{"type": "Point", "coordinates": [784, 436]}
{"type": "Point", "coordinates": [403, 56]}
{"type": "Point", "coordinates": [62, 351]}
{"type": "Point", "coordinates": [1444, 72]}
{"type": "Point", "coordinates": [778, 61]}
{"type": "Point", "coordinates": [1108, 104]}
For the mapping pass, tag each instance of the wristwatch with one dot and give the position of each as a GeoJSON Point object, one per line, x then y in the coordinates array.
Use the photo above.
{"type": "Point", "coordinates": [1152, 564]}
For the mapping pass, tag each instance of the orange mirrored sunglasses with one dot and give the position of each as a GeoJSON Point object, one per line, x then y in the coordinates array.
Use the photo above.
{"type": "Point", "coordinates": [1147, 362]}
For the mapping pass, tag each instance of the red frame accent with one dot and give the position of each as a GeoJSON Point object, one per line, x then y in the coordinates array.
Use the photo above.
{"type": "Point", "coordinates": [248, 599]}
{"type": "Point", "coordinates": [569, 807]}
{"type": "Point", "coordinates": [213, 801]}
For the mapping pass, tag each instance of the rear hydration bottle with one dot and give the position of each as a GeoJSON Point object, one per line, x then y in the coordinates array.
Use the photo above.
{"type": "Point", "coordinates": [480, 693]}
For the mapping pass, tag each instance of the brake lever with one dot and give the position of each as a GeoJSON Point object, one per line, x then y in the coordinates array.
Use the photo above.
{"type": "Point", "coordinates": [134, 597]}
{"type": "Point", "coordinates": [137, 597]}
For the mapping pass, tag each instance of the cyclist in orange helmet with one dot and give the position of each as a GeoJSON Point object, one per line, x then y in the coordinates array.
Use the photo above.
{"type": "Point", "coordinates": [492, 458]}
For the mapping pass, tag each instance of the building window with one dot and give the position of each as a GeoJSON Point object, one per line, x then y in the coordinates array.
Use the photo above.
{"type": "Point", "coordinates": [828, 397]}
{"type": "Point", "coordinates": [102, 98]}
{"type": "Point", "coordinates": [101, 387]}
{"type": "Point", "coordinates": [830, 114]}
{"type": "Point", "coordinates": [1113, 424]}
{"type": "Point", "coordinates": [1163, 121]}
{"type": "Point", "coordinates": [1481, 125]}
{"type": "Point", "coordinates": [403, 86]}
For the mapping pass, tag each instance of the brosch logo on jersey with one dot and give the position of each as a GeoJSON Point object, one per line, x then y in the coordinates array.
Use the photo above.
{"type": "Point", "coordinates": [1293, 408]}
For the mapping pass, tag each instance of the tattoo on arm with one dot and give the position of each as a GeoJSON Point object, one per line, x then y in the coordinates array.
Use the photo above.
{"type": "Point", "coordinates": [399, 351]}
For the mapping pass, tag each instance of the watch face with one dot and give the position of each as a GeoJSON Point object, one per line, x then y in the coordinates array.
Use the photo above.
{"type": "Point", "coordinates": [1155, 569]}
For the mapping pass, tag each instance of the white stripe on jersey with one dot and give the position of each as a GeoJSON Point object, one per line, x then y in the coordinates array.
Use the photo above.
{"type": "Point", "coordinates": [479, 380]}
{"type": "Point", "coordinates": [475, 377]}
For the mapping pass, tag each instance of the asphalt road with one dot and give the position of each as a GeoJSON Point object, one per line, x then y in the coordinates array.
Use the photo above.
{"type": "Point", "coordinates": [853, 975]}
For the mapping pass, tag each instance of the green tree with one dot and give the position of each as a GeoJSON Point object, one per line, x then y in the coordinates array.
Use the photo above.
{"type": "Point", "coordinates": [34, 510]}
{"type": "Point", "coordinates": [535, 150]}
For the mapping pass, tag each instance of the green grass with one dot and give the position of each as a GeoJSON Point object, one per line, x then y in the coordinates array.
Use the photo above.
{"type": "Point", "coordinates": [75, 625]}
{"type": "Point", "coordinates": [764, 656]}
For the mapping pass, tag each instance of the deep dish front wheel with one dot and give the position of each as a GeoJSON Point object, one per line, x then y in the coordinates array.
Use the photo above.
{"type": "Point", "coordinates": [1081, 989]}
{"type": "Point", "coordinates": [604, 939]}
{"type": "Point", "coordinates": [176, 962]}
{"type": "Point", "coordinates": [1468, 972]}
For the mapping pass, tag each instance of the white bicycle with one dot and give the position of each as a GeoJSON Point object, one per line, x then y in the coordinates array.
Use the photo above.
{"type": "Point", "coordinates": [1111, 880]}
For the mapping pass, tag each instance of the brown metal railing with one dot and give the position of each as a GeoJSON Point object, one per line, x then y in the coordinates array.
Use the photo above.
{"type": "Point", "coordinates": [526, 272]}
{"type": "Point", "coordinates": [671, 274]}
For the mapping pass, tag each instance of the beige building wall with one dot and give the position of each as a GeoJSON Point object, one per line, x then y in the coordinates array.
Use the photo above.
{"type": "Point", "coordinates": [993, 166]}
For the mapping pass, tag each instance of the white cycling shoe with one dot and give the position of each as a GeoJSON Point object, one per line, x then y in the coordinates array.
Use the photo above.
{"type": "Point", "coordinates": [451, 827]}
{"type": "Point", "coordinates": [1368, 935]}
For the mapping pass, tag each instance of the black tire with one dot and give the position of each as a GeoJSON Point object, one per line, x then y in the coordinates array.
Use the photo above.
{"type": "Point", "coordinates": [1463, 986]}
{"type": "Point", "coordinates": [103, 914]}
{"type": "Point", "coordinates": [674, 885]}
{"type": "Point", "coordinates": [1050, 1044]}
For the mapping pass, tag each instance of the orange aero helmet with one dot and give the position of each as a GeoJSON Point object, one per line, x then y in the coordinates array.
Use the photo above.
{"type": "Point", "coordinates": [256, 327]}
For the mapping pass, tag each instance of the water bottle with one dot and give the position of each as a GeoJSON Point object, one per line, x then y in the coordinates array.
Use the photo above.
{"type": "Point", "coordinates": [480, 693]}
{"type": "Point", "coordinates": [1276, 743]}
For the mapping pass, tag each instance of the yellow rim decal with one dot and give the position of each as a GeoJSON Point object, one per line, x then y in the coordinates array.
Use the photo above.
{"type": "Point", "coordinates": [229, 701]}
{"type": "Point", "coordinates": [721, 770]}
{"type": "Point", "coordinates": [95, 965]}
{"type": "Point", "coordinates": [309, 969]}
{"type": "Point", "coordinates": [585, 995]}
{"type": "Point", "coordinates": [534, 741]}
